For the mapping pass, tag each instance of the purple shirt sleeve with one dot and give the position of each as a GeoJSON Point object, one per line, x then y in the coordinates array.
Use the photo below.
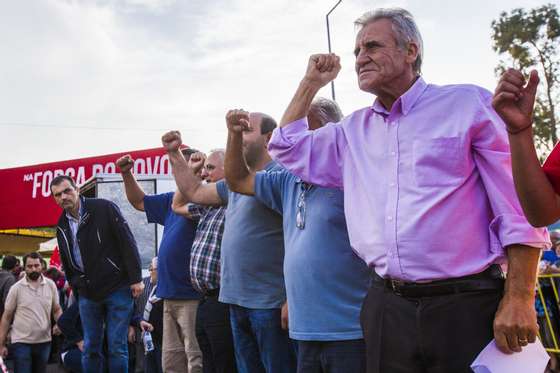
{"type": "Point", "coordinates": [314, 156]}
{"type": "Point", "coordinates": [493, 160]}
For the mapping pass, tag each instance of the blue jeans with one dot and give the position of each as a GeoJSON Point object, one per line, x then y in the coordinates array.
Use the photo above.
{"type": "Point", "coordinates": [115, 312]}
{"type": "Point", "coordinates": [31, 357]}
{"type": "Point", "coordinates": [260, 343]}
{"type": "Point", "coordinates": [331, 356]}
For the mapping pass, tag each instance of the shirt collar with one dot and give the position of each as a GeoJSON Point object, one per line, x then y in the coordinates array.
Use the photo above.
{"type": "Point", "coordinates": [406, 102]}
{"type": "Point", "coordinates": [26, 283]}
{"type": "Point", "coordinates": [270, 165]}
{"type": "Point", "coordinates": [80, 212]}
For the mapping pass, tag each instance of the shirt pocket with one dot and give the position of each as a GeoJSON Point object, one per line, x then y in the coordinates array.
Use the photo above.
{"type": "Point", "coordinates": [438, 162]}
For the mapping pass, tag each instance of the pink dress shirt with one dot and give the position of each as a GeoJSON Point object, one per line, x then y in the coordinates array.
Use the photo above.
{"type": "Point", "coordinates": [428, 190]}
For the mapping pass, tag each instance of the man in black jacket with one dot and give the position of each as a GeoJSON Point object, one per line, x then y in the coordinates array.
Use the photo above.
{"type": "Point", "coordinates": [102, 264]}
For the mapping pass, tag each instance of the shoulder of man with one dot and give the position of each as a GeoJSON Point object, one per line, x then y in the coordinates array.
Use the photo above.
{"type": "Point", "coordinates": [464, 91]}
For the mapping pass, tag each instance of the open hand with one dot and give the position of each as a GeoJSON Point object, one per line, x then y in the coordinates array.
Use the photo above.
{"type": "Point", "coordinates": [515, 324]}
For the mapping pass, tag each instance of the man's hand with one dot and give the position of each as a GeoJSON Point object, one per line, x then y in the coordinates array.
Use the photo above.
{"type": "Point", "coordinates": [196, 162]}
{"type": "Point", "coordinates": [80, 345]}
{"type": "Point", "coordinates": [146, 326]}
{"type": "Point", "coordinates": [172, 141]}
{"type": "Point", "coordinates": [514, 101]}
{"type": "Point", "coordinates": [131, 334]}
{"type": "Point", "coordinates": [515, 324]}
{"type": "Point", "coordinates": [238, 121]}
{"type": "Point", "coordinates": [284, 316]}
{"type": "Point", "coordinates": [3, 351]}
{"type": "Point", "coordinates": [322, 69]}
{"type": "Point", "coordinates": [137, 289]}
{"type": "Point", "coordinates": [125, 163]}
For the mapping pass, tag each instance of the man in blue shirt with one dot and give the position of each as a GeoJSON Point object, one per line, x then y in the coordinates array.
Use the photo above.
{"type": "Point", "coordinates": [180, 350]}
{"type": "Point", "coordinates": [252, 254]}
{"type": "Point", "coordinates": [326, 281]}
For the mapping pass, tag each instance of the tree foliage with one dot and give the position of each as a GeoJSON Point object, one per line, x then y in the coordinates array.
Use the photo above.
{"type": "Point", "coordinates": [530, 39]}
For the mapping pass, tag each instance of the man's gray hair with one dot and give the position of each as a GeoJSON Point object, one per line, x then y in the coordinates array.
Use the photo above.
{"type": "Point", "coordinates": [404, 27]}
{"type": "Point", "coordinates": [326, 110]}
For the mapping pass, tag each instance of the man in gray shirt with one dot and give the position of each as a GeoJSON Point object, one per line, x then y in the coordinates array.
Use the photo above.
{"type": "Point", "coordinates": [252, 254]}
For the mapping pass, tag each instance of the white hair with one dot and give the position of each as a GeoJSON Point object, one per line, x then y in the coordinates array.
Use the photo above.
{"type": "Point", "coordinates": [404, 27]}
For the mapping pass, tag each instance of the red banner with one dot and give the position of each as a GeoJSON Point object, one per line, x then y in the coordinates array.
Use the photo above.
{"type": "Point", "coordinates": [26, 201]}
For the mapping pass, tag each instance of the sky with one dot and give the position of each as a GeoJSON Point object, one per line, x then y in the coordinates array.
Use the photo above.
{"type": "Point", "coordinates": [81, 78]}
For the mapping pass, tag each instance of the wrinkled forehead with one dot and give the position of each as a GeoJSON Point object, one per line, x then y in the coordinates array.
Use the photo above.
{"type": "Point", "coordinates": [65, 184]}
{"type": "Point", "coordinates": [380, 30]}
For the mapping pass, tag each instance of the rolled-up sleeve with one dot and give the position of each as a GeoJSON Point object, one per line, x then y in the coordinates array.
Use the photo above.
{"type": "Point", "coordinates": [314, 156]}
{"type": "Point", "coordinates": [493, 159]}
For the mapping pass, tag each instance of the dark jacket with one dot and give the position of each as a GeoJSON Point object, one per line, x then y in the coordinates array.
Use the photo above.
{"type": "Point", "coordinates": [7, 279]}
{"type": "Point", "coordinates": [107, 247]}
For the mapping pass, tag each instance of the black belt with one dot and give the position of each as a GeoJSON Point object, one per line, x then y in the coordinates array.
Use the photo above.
{"type": "Point", "coordinates": [490, 279]}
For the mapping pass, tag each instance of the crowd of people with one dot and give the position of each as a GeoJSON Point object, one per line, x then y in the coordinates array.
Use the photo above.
{"type": "Point", "coordinates": [375, 241]}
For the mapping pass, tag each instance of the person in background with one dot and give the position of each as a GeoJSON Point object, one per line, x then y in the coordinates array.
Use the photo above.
{"type": "Point", "coordinates": [30, 306]}
{"type": "Point", "coordinates": [7, 278]}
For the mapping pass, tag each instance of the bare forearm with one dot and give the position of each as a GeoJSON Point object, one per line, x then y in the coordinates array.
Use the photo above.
{"type": "Point", "coordinates": [536, 194]}
{"type": "Point", "coordinates": [4, 327]}
{"type": "Point", "coordinates": [238, 175]}
{"type": "Point", "coordinates": [299, 106]}
{"type": "Point", "coordinates": [522, 272]}
{"type": "Point", "coordinates": [187, 181]}
{"type": "Point", "coordinates": [134, 192]}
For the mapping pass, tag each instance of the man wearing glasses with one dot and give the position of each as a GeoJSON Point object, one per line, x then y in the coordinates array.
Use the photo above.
{"type": "Point", "coordinates": [326, 281]}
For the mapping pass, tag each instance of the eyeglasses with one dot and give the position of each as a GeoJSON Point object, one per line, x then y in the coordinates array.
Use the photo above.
{"type": "Point", "coordinates": [300, 215]}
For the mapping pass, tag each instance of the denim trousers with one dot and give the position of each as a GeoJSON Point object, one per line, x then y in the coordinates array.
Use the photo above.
{"type": "Point", "coordinates": [110, 317]}
{"type": "Point", "coordinates": [31, 357]}
{"type": "Point", "coordinates": [260, 343]}
{"type": "Point", "coordinates": [331, 356]}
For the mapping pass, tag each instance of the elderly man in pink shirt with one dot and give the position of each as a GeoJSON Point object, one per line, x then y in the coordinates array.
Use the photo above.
{"type": "Point", "coordinates": [429, 202]}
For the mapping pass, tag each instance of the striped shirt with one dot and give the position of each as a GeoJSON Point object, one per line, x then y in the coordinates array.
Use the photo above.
{"type": "Point", "coordinates": [205, 251]}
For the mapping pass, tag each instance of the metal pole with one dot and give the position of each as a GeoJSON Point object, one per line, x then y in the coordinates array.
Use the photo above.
{"type": "Point", "coordinates": [329, 40]}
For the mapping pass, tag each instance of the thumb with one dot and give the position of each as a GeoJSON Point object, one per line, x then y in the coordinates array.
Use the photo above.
{"type": "Point", "coordinates": [533, 83]}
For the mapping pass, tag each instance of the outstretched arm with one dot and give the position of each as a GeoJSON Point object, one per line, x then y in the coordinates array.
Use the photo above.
{"type": "Point", "coordinates": [134, 192]}
{"type": "Point", "coordinates": [514, 101]}
{"type": "Point", "coordinates": [188, 183]}
{"type": "Point", "coordinates": [239, 177]}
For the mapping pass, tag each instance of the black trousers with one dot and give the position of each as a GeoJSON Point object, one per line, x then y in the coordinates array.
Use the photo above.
{"type": "Point", "coordinates": [440, 334]}
{"type": "Point", "coordinates": [213, 333]}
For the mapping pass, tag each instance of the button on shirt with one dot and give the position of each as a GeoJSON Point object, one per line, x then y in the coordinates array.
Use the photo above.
{"type": "Point", "coordinates": [205, 251]}
{"type": "Point", "coordinates": [326, 282]}
{"type": "Point", "coordinates": [74, 225]}
{"type": "Point", "coordinates": [428, 187]}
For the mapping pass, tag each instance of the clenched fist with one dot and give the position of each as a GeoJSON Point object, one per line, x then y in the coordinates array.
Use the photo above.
{"type": "Point", "coordinates": [196, 162]}
{"type": "Point", "coordinates": [125, 163]}
{"type": "Point", "coordinates": [514, 99]}
{"type": "Point", "coordinates": [238, 121]}
{"type": "Point", "coordinates": [322, 69]}
{"type": "Point", "coordinates": [172, 141]}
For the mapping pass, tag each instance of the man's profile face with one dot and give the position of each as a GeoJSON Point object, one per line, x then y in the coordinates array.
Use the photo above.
{"type": "Point", "coordinates": [254, 143]}
{"type": "Point", "coordinates": [65, 195]}
{"type": "Point", "coordinates": [379, 60]}
{"type": "Point", "coordinates": [213, 170]}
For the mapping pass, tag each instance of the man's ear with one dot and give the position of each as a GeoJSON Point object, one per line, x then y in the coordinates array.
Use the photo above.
{"type": "Point", "coordinates": [412, 52]}
{"type": "Point", "coordinates": [267, 139]}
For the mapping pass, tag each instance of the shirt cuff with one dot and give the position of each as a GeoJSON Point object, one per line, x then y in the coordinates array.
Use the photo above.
{"type": "Point", "coordinates": [510, 229]}
{"type": "Point", "coordinates": [290, 132]}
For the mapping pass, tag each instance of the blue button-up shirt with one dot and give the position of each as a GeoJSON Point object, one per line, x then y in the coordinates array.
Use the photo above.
{"type": "Point", "coordinates": [74, 224]}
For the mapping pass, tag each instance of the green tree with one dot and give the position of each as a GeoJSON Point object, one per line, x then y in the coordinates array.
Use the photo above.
{"type": "Point", "coordinates": [530, 39]}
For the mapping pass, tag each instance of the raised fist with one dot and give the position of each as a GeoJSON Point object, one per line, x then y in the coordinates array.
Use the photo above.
{"type": "Point", "coordinates": [322, 69]}
{"type": "Point", "coordinates": [238, 121]}
{"type": "Point", "coordinates": [171, 141]}
{"type": "Point", "coordinates": [514, 99]}
{"type": "Point", "coordinates": [125, 163]}
{"type": "Point", "coordinates": [196, 162]}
